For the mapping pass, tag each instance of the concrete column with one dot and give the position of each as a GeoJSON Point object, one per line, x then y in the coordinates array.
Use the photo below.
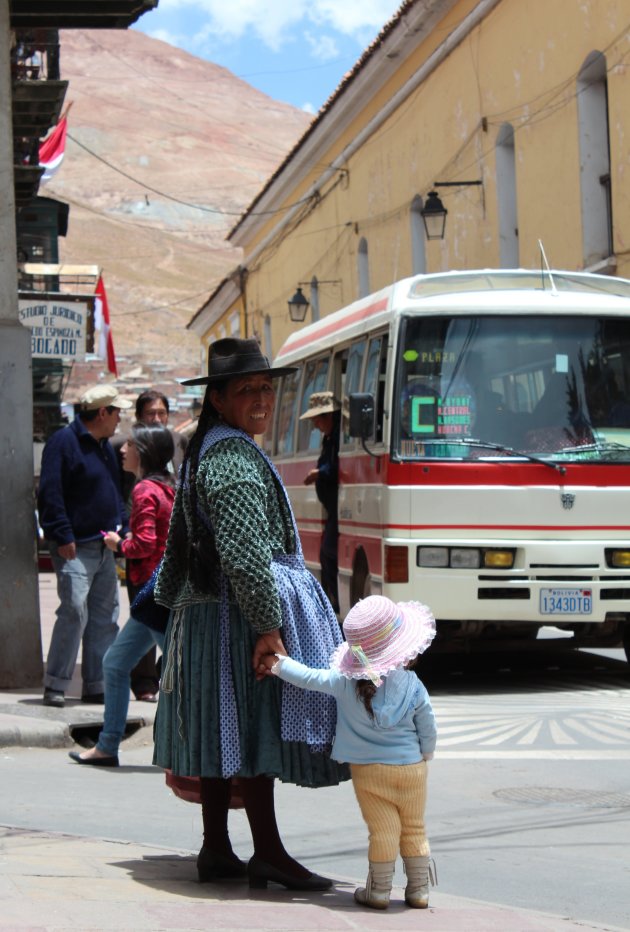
{"type": "Point", "coordinates": [20, 633]}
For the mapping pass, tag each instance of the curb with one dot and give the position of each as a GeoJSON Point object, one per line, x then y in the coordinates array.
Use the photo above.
{"type": "Point", "coordinates": [16, 731]}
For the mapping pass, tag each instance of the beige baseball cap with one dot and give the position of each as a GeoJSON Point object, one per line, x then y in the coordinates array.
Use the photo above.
{"type": "Point", "coordinates": [103, 396]}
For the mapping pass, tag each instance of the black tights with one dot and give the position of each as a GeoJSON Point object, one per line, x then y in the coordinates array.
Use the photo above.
{"type": "Point", "coordinates": [257, 793]}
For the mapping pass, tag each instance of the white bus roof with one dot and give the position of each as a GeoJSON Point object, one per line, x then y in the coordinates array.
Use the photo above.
{"type": "Point", "coordinates": [487, 291]}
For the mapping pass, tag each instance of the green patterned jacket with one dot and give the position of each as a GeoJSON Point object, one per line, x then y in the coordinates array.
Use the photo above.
{"type": "Point", "coordinates": [251, 522]}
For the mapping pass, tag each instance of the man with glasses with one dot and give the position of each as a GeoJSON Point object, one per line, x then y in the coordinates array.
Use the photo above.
{"type": "Point", "coordinates": [79, 499]}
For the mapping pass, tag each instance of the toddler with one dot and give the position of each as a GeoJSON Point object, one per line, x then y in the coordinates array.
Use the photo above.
{"type": "Point", "coordinates": [385, 731]}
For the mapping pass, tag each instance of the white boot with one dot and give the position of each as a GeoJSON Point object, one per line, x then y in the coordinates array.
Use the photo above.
{"type": "Point", "coordinates": [378, 887]}
{"type": "Point", "coordinates": [419, 872]}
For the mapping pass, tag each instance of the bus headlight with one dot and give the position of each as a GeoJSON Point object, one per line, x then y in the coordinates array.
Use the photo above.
{"type": "Point", "coordinates": [466, 558]}
{"type": "Point", "coordinates": [618, 558]}
{"type": "Point", "coordinates": [432, 556]}
{"type": "Point", "coordinates": [499, 559]}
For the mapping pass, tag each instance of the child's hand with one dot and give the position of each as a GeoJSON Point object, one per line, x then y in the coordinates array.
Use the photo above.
{"type": "Point", "coordinates": [265, 665]}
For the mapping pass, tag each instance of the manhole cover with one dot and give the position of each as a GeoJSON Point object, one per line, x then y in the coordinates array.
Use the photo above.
{"type": "Point", "coordinates": [539, 795]}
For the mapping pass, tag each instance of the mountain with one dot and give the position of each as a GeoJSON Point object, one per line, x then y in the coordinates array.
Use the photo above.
{"type": "Point", "coordinates": [164, 152]}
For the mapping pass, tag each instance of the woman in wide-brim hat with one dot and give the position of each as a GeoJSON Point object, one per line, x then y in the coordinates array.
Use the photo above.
{"type": "Point", "coordinates": [232, 572]}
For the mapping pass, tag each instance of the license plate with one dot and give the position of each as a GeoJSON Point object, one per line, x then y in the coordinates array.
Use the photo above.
{"type": "Point", "coordinates": [566, 601]}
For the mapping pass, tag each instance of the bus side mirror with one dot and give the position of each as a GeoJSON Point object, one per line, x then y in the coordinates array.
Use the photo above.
{"type": "Point", "coordinates": [361, 415]}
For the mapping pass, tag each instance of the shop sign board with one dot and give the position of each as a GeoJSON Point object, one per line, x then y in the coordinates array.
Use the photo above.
{"type": "Point", "coordinates": [62, 325]}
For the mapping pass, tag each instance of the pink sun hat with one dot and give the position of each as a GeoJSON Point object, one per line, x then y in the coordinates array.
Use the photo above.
{"type": "Point", "coordinates": [382, 636]}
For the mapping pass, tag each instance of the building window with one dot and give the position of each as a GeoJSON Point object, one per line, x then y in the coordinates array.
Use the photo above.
{"type": "Point", "coordinates": [314, 299]}
{"type": "Point", "coordinates": [267, 336]}
{"type": "Point", "coordinates": [363, 268]}
{"type": "Point", "coordinates": [418, 255]}
{"type": "Point", "coordinates": [596, 201]}
{"type": "Point", "coordinates": [506, 195]}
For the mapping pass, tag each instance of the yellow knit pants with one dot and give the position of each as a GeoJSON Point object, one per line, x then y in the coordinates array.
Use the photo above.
{"type": "Point", "coordinates": [392, 798]}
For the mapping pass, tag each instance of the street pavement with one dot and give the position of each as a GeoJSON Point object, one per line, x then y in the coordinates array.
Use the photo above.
{"type": "Point", "coordinates": [52, 882]}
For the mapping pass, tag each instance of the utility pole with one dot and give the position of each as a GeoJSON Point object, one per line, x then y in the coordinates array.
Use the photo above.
{"type": "Point", "coordinates": [20, 632]}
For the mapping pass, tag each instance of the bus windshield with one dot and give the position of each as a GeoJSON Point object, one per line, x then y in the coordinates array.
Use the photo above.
{"type": "Point", "coordinates": [555, 388]}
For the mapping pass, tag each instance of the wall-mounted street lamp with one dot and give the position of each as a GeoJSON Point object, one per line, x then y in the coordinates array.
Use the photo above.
{"type": "Point", "coordinates": [298, 306]}
{"type": "Point", "coordinates": [299, 303]}
{"type": "Point", "coordinates": [434, 212]}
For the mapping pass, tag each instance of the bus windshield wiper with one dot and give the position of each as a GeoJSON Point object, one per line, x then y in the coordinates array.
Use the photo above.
{"type": "Point", "coordinates": [498, 447]}
{"type": "Point", "coordinates": [606, 446]}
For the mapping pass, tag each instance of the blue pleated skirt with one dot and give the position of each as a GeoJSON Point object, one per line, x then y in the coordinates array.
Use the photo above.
{"type": "Point", "coordinates": [188, 721]}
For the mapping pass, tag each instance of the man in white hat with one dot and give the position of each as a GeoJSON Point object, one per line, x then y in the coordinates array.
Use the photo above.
{"type": "Point", "coordinates": [324, 410]}
{"type": "Point", "coordinates": [79, 499]}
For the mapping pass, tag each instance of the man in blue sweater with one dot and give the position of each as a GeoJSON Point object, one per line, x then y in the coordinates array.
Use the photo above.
{"type": "Point", "coordinates": [79, 498]}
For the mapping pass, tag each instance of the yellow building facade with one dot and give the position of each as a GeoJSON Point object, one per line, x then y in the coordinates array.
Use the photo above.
{"type": "Point", "coordinates": [514, 113]}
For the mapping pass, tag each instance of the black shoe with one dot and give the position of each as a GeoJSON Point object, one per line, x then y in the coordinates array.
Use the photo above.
{"type": "Point", "coordinates": [94, 698]}
{"type": "Point", "coordinates": [260, 874]}
{"type": "Point", "coordinates": [211, 866]}
{"type": "Point", "coordinates": [55, 698]}
{"type": "Point", "coordinates": [94, 761]}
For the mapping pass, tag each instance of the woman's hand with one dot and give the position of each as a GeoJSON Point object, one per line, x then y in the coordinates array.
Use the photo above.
{"type": "Point", "coordinates": [268, 643]}
{"type": "Point", "coordinates": [110, 539]}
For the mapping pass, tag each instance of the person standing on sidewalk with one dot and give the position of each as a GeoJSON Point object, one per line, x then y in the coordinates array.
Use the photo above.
{"type": "Point", "coordinates": [325, 411]}
{"type": "Point", "coordinates": [385, 731]}
{"type": "Point", "coordinates": [152, 408]}
{"type": "Point", "coordinates": [233, 575]}
{"type": "Point", "coordinates": [79, 497]}
{"type": "Point", "coordinates": [146, 454]}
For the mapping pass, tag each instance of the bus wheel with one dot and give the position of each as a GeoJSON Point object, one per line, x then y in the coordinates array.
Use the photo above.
{"type": "Point", "coordinates": [361, 585]}
{"type": "Point", "coordinates": [626, 640]}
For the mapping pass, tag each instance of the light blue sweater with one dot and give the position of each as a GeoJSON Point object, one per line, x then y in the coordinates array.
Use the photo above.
{"type": "Point", "coordinates": [403, 728]}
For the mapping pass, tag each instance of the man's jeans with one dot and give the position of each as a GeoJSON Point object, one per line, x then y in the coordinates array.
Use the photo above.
{"type": "Point", "coordinates": [130, 646]}
{"type": "Point", "coordinates": [88, 612]}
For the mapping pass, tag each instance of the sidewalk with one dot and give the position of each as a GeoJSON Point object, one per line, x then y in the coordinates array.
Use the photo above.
{"type": "Point", "coordinates": [56, 882]}
{"type": "Point", "coordinates": [25, 722]}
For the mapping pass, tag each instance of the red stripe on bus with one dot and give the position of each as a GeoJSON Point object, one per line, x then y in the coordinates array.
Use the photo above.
{"type": "Point", "coordinates": [360, 469]}
{"type": "Point", "coordinates": [326, 330]}
{"type": "Point", "coordinates": [487, 527]}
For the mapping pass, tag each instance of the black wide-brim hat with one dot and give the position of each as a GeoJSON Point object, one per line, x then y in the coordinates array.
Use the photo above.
{"type": "Point", "coordinates": [234, 357]}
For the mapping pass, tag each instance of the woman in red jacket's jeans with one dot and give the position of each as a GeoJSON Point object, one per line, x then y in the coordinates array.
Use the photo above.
{"type": "Point", "coordinates": [146, 454]}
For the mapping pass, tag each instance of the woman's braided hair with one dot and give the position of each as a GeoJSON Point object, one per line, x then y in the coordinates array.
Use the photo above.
{"type": "Point", "coordinates": [196, 546]}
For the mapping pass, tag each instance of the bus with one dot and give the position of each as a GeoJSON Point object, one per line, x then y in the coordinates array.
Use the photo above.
{"type": "Point", "coordinates": [484, 452]}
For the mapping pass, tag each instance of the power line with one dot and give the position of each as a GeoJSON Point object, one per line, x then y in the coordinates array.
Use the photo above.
{"type": "Point", "coordinates": [177, 200]}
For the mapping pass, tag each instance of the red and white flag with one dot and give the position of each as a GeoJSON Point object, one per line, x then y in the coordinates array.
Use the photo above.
{"type": "Point", "coordinates": [102, 325]}
{"type": "Point", "coordinates": [52, 149]}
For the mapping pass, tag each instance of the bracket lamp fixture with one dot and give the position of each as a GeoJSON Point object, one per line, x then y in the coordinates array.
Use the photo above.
{"type": "Point", "coordinates": [434, 212]}
{"type": "Point", "coordinates": [298, 306]}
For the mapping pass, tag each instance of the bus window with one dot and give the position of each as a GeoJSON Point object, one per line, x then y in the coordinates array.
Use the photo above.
{"type": "Point", "coordinates": [374, 379]}
{"type": "Point", "coordinates": [352, 382]}
{"type": "Point", "coordinates": [286, 418]}
{"type": "Point", "coordinates": [542, 385]}
{"type": "Point", "coordinates": [315, 380]}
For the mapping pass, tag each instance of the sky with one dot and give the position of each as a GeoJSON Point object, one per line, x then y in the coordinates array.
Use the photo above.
{"type": "Point", "coordinates": [296, 51]}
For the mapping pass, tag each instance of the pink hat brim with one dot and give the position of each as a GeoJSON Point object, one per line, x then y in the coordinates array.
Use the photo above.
{"type": "Point", "coordinates": [413, 638]}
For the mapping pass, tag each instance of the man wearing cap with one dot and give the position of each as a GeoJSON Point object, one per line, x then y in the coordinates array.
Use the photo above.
{"type": "Point", "coordinates": [79, 499]}
{"type": "Point", "coordinates": [324, 410]}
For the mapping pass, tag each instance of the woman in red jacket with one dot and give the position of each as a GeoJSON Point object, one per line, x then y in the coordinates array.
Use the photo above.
{"type": "Point", "coordinates": [146, 454]}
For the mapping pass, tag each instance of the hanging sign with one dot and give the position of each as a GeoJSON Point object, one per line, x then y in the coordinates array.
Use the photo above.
{"type": "Point", "coordinates": [62, 325]}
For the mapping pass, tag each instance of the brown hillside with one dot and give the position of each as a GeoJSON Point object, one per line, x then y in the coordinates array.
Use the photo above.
{"type": "Point", "coordinates": [170, 134]}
